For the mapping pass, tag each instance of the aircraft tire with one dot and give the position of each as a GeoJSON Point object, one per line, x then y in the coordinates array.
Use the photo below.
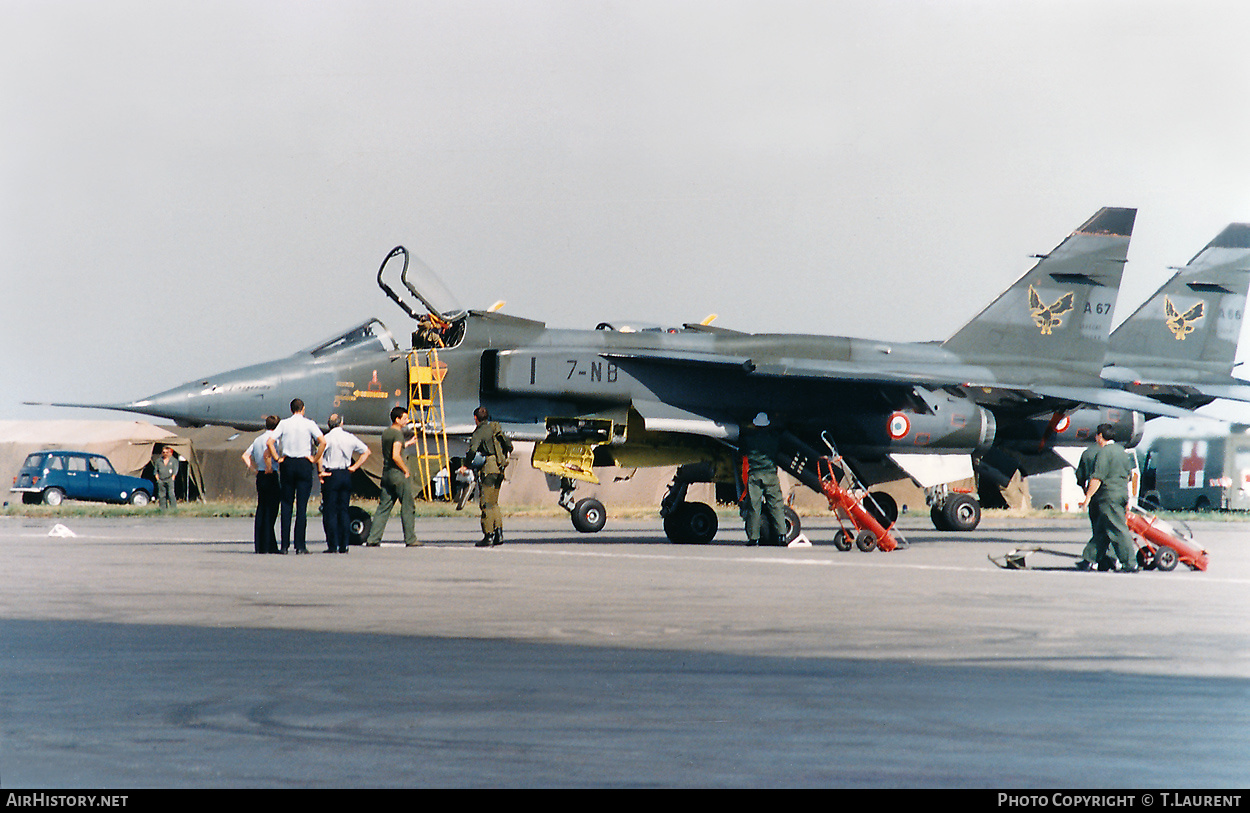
{"type": "Point", "coordinates": [962, 512]}
{"type": "Point", "coordinates": [1166, 559]}
{"type": "Point", "coordinates": [883, 507]}
{"type": "Point", "coordinates": [691, 523]}
{"type": "Point", "coordinates": [793, 526]}
{"type": "Point", "coordinates": [589, 516]}
{"type": "Point", "coordinates": [939, 518]}
{"type": "Point", "coordinates": [53, 496]}
{"type": "Point", "coordinates": [360, 522]}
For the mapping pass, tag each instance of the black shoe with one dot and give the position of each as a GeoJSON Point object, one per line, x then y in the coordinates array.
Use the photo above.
{"type": "Point", "coordinates": [300, 551]}
{"type": "Point", "coordinates": [281, 552]}
{"type": "Point", "coordinates": [496, 538]}
{"type": "Point", "coordinates": [329, 550]}
{"type": "Point", "coordinates": [342, 550]}
{"type": "Point", "coordinates": [1084, 564]}
{"type": "Point", "coordinates": [753, 543]}
{"type": "Point", "coordinates": [485, 543]}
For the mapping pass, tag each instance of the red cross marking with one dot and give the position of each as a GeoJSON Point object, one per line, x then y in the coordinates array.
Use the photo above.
{"type": "Point", "coordinates": [1193, 464]}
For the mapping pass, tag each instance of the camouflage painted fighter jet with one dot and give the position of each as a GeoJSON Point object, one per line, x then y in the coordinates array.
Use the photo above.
{"type": "Point", "coordinates": [644, 397]}
{"type": "Point", "coordinates": [1179, 346]}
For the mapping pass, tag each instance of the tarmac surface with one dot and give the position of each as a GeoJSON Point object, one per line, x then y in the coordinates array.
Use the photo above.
{"type": "Point", "coordinates": [161, 652]}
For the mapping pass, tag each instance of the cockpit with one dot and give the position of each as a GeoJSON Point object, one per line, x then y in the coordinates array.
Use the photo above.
{"type": "Point", "coordinates": [371, 334]}
{"type": "Point", "coordinates": [443, 324]}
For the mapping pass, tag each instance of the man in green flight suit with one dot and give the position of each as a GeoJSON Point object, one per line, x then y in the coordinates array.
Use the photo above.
{"type": "Point", "coordinates": [1083, 470]}
{"type": "Point", "coordinates": [488, 453]}
{"type": "Point", "coordinates": [396, 487]}
{"type": "Point", "coordinates": [759, 448]}
{"type": "Point", "coordinates": [1106, 494]}
{"type": "Point", "coordinates": [166, 469]}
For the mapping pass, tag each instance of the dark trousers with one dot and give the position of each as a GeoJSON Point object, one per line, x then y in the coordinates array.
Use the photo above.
{"type": "Point", "coordinates": [336, 496]}
{"type": "Point", "coordinates": [268, 498]}
{"type": "Point", "coordinates": [297, 479]}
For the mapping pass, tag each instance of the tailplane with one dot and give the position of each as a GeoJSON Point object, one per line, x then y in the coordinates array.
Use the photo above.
{"type": "Point", "coordinates": [1058, 315]}
{"type": "Point", "coordinates": [1192, 323]}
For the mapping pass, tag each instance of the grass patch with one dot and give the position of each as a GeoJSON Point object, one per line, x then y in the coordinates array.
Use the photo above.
{"type": "Point", "coordinates": [246, 508]}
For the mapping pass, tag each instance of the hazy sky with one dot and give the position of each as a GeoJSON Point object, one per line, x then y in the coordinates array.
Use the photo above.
{"type": "Point", "coordinates": [189, 187]}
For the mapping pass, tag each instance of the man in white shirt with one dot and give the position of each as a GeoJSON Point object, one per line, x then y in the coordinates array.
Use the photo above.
{"type": "Point", "coordinates": [297, 444]}
{"type": "Point", "coordinates": [268, 488]}
{"type": "Point", "coordinates": [336, 482]}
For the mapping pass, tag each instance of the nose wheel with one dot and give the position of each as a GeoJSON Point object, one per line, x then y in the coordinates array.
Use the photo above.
{"type": "Point", "coordinates": [589, 516]}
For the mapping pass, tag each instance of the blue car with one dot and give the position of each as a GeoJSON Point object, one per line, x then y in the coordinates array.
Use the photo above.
{"type": "Point", "coordinates": [52, 476]}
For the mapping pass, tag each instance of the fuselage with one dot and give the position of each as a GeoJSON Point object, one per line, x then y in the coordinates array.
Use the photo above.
{"type": "Point", "coordinates": [654, 387]}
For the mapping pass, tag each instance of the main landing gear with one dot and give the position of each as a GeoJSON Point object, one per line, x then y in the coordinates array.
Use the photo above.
{"type": "Point", "coordinates": [953, 510]}
{"type": "Point", "coordinates": [696, 523]}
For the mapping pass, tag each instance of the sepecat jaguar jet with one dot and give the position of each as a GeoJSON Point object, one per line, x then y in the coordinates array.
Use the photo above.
{"type": "Point", "coordinates": [1021, 377]}
{"type": "Point", "coordinates": [1179, 346]}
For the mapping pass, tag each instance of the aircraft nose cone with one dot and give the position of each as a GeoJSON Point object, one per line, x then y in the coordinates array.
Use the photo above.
{"type": "Point", "coordinates": [173, 404]}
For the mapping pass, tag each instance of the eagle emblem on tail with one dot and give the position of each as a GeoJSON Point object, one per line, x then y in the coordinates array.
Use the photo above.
{"type": "Point", "coordinates": [1047, 316]}
{"type": "Point", "coordinates": [1182, 324]}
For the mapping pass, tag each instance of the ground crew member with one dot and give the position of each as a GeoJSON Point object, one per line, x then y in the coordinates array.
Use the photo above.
{"type": "Point", "coordinates": [297, 444]}
{"type": "Point", "coordinates": [336, 482]}
{"type": "Point", "coordinates": [268, 488]}
{"type": "Point", "coordinates": [396, 487]}
{"type": "Point", "coordinates": [166, 468]}
{"type": "Point", "coordinates": [1106, 494]}
{"type": "Point", "coordinates": [1083, 469]}
{"type": "Point", "coordinates": [488, 454]}
{"type": "Point", "coordinates": [763, 501]}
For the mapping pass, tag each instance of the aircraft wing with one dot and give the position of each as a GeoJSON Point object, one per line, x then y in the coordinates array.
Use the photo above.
{"type": "Point", "coordinates": [818, 369]}
{"type": "Point", "coordinates": [1234, 392]}
{"type": "Point", "coordinates": [1169, 388]}
{"type": "Point", "coordinates": [850, 372]}
{"type": "Point", "coordinates": [1118, 399]}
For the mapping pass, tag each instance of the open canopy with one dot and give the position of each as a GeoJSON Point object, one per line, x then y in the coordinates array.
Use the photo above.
{"type": "Point", "coordinates": [424, 284]}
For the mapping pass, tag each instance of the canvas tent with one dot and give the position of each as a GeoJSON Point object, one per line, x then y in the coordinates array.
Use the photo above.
{"type": "Point", "coordinates": [218, 453]}
{"type": "Point", "coordinates": [129, 445]}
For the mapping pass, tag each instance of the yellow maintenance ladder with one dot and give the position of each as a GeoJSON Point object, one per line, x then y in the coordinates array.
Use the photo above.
{"type": "Point", "coordinates": [425, 407]}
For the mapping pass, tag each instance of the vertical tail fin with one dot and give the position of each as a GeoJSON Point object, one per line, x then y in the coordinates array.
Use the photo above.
{"type": "Point", "coordinates": [1192, 323]}
{"type": "Point", "coordinates": [1059, 313]}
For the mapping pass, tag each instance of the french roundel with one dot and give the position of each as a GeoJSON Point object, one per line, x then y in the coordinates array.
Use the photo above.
{"type": "Point", "coordinates": [899, 426]}
{"type": "Point", "coordinates": [1063, 425]}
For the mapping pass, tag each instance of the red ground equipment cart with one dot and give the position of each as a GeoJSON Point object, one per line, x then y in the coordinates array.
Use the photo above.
{"type": "Point", "coordinates": [1160, 545]}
